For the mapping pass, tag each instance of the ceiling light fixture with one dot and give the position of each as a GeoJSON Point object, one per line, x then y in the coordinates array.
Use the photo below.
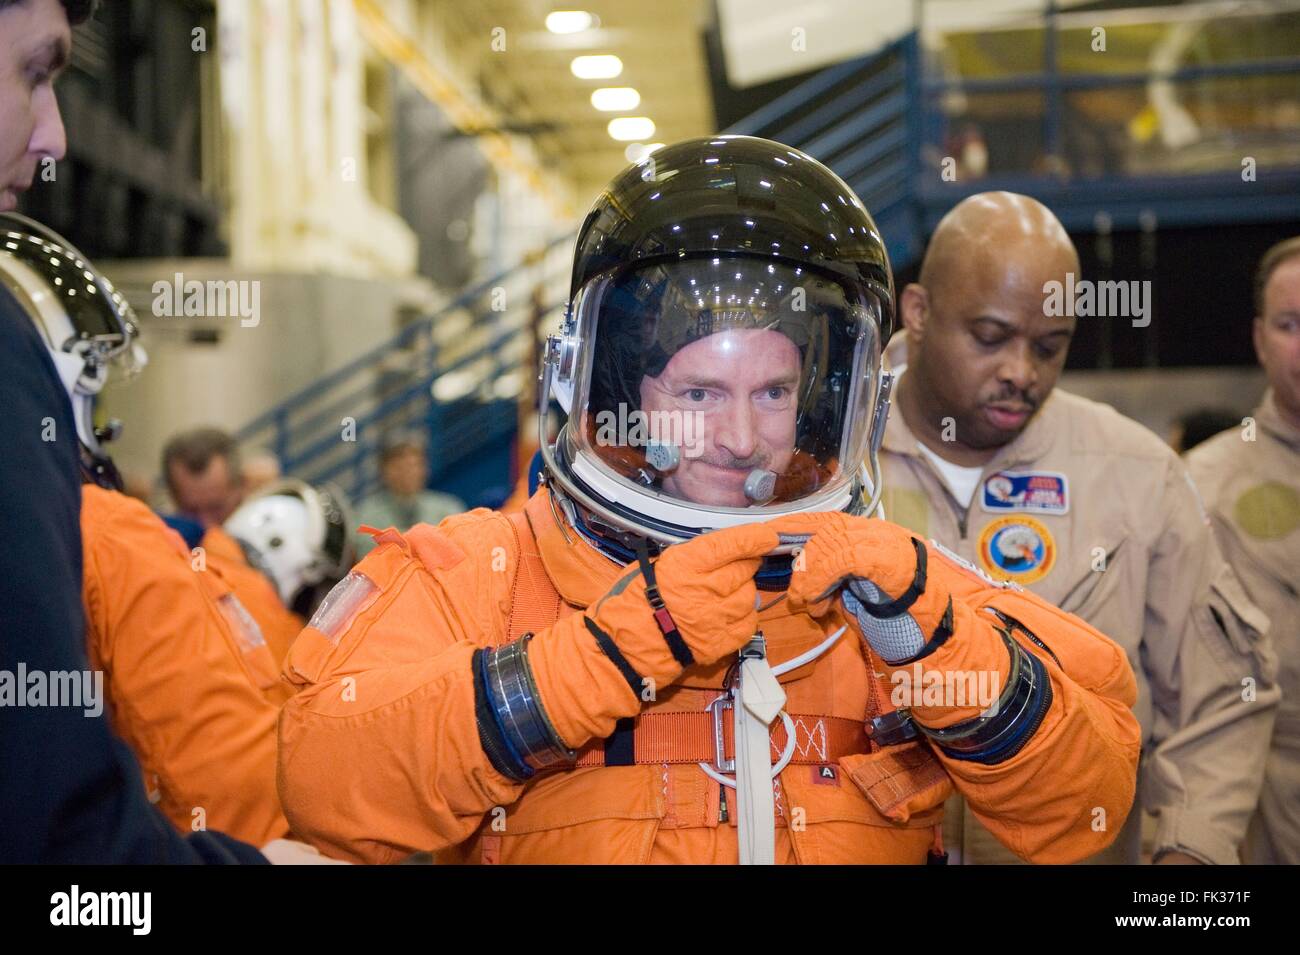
{"type": "Point", "coordinates": [603, 66]}
{"type": "Point", "coordinates": [627, 128]}
{"type": "Point", "coordinates": [568, 21]}
{"type": "Point", "coordinates": [615, 99]}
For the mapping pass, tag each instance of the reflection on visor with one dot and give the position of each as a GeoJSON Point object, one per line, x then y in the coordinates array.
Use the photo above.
{"type": "Point", "coordinates": [727, 383]}
{"type": "Point", "coordinates": [98, 312]}
{"type": "Point", "coordinates": [126, 364]}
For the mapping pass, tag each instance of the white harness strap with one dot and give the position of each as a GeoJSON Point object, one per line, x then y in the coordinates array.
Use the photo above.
{"type": "Point", "coordinates": [761, 699]}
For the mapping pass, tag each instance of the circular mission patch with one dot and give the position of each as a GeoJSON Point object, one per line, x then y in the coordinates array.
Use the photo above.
{"type": "Point", "coordinates": [1017, 548]}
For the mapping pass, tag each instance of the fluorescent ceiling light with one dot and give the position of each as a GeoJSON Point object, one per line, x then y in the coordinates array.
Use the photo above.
{"type": "Point", "coordinates": [568, 21]}
{"type": "Point", "coordinates": [603, 66]}
{"type": "Point", "coordinates": [627, 128]}
{"type": "Point", "coordinates": [613, 99]}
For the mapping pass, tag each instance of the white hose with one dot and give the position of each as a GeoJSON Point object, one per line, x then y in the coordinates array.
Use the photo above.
{"type": "Point", "coordinates": [811, 655]}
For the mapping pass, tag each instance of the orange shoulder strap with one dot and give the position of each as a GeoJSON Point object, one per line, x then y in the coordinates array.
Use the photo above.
{"type": "Point", "coordinates": [535, 603]}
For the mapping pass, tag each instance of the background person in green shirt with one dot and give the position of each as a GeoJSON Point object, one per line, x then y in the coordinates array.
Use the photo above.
{"type": "Point", "coordinates": [404, 500]}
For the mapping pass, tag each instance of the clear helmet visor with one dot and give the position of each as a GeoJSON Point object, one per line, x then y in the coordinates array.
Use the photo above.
{"type": "Point", "coordinates": [723, 386]}
{"type": "Point", "coordinates": [77, 307]}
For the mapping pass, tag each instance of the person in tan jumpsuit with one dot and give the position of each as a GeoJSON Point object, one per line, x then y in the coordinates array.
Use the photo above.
{"type": "Point", "coordinates": [564, 685]}
{"type": "Point", "coordinates": [1084, 507]}
{"type": "Point", "coordinates": [1250, 478]}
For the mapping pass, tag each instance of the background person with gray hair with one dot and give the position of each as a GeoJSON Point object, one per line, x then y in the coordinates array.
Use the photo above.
{"type": "Point", "coordinates": [204, 475]}
{"type": "Point", "coordinates": [404, 500]}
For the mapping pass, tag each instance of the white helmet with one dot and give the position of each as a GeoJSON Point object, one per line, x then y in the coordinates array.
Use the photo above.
{"type": "Point", "coordinates": [296, 534]}
{"type": "Point", "coordinates": [85, 322]}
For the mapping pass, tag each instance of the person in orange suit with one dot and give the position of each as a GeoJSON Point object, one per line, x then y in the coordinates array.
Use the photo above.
{"type": "Point", "coordinates": [696, 644]}
{"type": "Point", "coordinates": [280, 626]}
{"type": "Point", "coordinates": [185, 666]}
{"type": "Point", "coordinates": [205, 476]}
{"type": "Point", "coordinates": [294, 543]}
{"type": "Point", "coordinates": [189, 679]}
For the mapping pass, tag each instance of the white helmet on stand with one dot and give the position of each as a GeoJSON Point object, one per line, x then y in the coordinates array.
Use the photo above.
{"type": "Point", "coordinates": [86, 324]}
{"type": "Point", "coordinates": [298, 535]}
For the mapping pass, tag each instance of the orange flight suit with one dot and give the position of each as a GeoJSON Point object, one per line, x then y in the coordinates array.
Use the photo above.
{"type": "Point", "coordinates": [380, 753]}
{"type": "Point", "coordinates": [218, 543]}
{"type": "Point", "coordinates": [182, 672]}
{"type": "Point", "coordinates": [280, 625]}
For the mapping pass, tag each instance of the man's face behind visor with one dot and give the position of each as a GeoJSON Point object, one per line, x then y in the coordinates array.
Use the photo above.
{"type": "Point", "coordinates": [723, 385]}
{"type": "Point", "coordinates": [731, 400]}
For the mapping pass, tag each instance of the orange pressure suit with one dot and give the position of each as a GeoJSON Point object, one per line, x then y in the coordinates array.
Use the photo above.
{"type": "Point", "coordinates": [380, 752]}
{"type": "Point", "coordinates": [280, 625]}
{"type": "Point", "coordinates": [185, 672]}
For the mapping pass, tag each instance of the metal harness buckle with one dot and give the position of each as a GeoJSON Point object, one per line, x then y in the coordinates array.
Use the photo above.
{"type": "Point", "coordinates": [720, 766]}
{"type": "Point", "coordinates": [725, 702]}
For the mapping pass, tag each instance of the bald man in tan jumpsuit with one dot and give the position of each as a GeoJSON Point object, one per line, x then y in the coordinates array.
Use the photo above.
{"type": "Point", "coordinates": [1250, 478]}
{"type": "Point", "coordinates": [1084, 507]}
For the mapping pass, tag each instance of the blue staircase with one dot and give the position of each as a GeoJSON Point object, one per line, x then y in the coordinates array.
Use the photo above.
{"type": "Point", "coordinates": [877, 121]}
{"type": "Point", "coordinates": [454, 376]}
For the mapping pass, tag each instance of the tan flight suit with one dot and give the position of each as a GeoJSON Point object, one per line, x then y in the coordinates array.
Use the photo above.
{"type": "Point", "coordinates": [1099, 517]}
{"type": "Point", "coordinates": [1250, 479]}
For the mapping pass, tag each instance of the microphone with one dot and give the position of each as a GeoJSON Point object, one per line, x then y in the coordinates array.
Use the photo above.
{"type": "Point", "coordinates": [760, 485]}
{"type": "Point", "coordinates": [663, 457]}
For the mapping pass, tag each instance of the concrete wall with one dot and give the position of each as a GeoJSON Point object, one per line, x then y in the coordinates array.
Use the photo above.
{"type": "Point", "coordinates": [294, 126]}
{"type": "Point", "coordinates": [216, 371]}
{"type": "Point", "coordinates": [1156, 397]}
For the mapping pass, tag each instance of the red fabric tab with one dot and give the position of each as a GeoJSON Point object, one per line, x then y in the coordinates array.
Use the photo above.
{"type": "Point", "coordinates": [386, 535]}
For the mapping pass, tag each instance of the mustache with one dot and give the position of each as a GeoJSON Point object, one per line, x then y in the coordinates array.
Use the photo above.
{"type": "Point", "coordinates": [759, 459]}
{"type": "Point", "coordinates": [1015, 396]}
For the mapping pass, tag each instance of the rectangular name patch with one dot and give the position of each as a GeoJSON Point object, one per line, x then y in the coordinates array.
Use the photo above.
{"type": "Point", "coordinates": [1042, 492]}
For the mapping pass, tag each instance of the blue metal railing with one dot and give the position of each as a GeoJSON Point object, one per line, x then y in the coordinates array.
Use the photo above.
{"type": "Point", "coordinates": [1128, 187]}
{"type": "Point", "coordinates": [400, 340]}
{"type": "Point", "coordinates": [471, 424]}
{"type": "Point", "coordinates": [332, 429]}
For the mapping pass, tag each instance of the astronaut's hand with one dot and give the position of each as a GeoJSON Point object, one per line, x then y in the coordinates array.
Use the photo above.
{"type": "Point", "coordinates": [886, 570]}
{"type": "Point", "coordinates": [706, 602]}
{"type": "Point", "coordinates": [594, 668]}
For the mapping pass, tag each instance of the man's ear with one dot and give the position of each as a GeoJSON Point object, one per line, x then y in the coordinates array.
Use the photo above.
{"type": "Point", "coordinates": [1257, 336]}
{"type": "Point", "coordinates": [914, 309]}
